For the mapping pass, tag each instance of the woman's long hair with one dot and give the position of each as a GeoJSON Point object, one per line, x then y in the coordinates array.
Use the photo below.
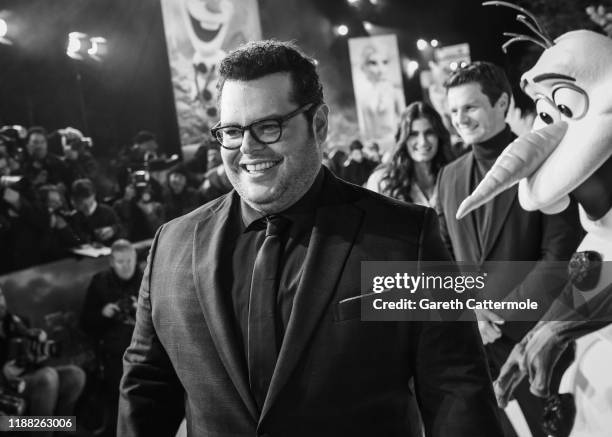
{"type": "Point", "coordinates": [399, 174]}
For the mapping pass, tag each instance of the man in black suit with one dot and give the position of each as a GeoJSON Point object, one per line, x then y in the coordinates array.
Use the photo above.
{"type": "Point", "coordinates": [478, 98]}
{"type": "Point", "coordinates": [208, 344]}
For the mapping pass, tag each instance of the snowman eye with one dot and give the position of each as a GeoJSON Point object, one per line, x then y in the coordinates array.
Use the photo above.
{"type": "Point", "coordinates": [572, 102]}
{"type": "Point", "coordinates": [547, 112]}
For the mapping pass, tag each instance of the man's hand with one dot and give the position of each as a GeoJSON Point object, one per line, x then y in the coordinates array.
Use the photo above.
{"type": "Point", "coordinates": [105, 233]}
{"type": "Point", "coordinates": [488, 325]}
{"type": "Point", "coordinates": [541, 354]}
{"type": "Point", "coordinates": [12, 197]}
{"type": "Point", "coordinates": [511, 374]}
{"type": "Point", "coordinates": [536, 356]}
{"type": "Point", "coordinates": [130, 192]}
{"type": "Point", "coordinates": [109, 310]}
{"type": "Point", "coordinates": [146, 207]}
{"type": "Point", "coordinates": [11, 370]}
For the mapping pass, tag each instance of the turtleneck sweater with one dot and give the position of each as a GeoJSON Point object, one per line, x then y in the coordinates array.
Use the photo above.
{"type": "Point", "coordinates": [485, 154]}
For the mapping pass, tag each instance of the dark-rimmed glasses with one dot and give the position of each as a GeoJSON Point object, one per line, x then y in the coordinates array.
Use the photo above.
{"type": "Point", "coordinates": [266, 131]}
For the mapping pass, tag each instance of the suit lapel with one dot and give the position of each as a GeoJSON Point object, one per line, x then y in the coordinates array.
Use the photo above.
{"type": "Point", "coordinates": [499, 210]}
{"type": "Point", "coordinates": [467, 234]}
{"type": "Point", "coordinates": [208, 242]}
{"type": "Point", "coordinates": [333, 236]}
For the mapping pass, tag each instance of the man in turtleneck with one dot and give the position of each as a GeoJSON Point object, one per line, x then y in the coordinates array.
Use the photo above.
{"type": "Point", "coordinates": [478, 99]}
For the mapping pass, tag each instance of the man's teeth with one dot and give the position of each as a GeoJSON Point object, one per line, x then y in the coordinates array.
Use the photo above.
{"type": "Point", "coordinates": [210, 26]}
{"type": "Point", "coordinates": [260, 166]}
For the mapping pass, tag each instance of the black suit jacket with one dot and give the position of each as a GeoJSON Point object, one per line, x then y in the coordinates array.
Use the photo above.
{"type": "Point", "coordinates": [335, 374]}
{"type": "Point", "coordinates": [514, 234]}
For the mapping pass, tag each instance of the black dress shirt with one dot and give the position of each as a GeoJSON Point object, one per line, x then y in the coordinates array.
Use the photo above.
{"type": "Point", "coordinates": [247, 230]}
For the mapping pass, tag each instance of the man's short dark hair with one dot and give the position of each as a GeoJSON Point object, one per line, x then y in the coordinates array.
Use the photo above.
{"type": "Point", "coordinates": [143, 136]}
{"type": "Point", "coordinates": [492, 79]}
{"type": "Point", "coordinates": [122, 245]}
{"type": "Point", "coordinates": [356, 145]}
{"type": "Point", "coordinates": [261, 58]}
{"type": "Point", "coordinates": [82, 189]}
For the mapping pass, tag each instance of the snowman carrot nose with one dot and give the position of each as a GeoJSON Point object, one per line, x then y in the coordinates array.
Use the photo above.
{"type": "Point", "coordinates": [520, 159]}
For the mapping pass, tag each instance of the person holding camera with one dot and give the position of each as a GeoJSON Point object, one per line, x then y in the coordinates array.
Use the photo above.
{"type": "Point", "coordinates": [109, 313]}
{"type": "Point", "coordinates": [138, 209]}
{"type": "Point", "coordinates": [79, 161]}
{"type": "Point", "coordinates": [23, 221]}
{"type": "Point", "coordinates": [60, 235]}
{"type": "Point", "coordinates": [41, 166]}
{"type": "Point", "coordinates": [49, 390]}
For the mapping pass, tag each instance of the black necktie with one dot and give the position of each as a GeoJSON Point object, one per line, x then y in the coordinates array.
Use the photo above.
{"type": "Point", "coordinates": [262, 338]}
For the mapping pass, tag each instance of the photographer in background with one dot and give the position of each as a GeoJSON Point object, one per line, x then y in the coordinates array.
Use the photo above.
{"type": "Point", "coordinates": [78, 159]}
{"type": "Point", "coordinates": [138, 157]}
{"type": "Point", "coordinates": [23, 221]}
{"type": "Point", "coordinates": [139, 210]}
{"type": "Point", "coordinates": [60, 236]}
{"type": "Point", "coordinates": [108, 315]}
{"type": "Point", "coordinates": [93, 222]}
{"type": "Point", "coordinates": [41, 166]}
{"type": "Point", "coordinates": [23, 354]}
{"type": "Point", "coordinates": [179, 198]}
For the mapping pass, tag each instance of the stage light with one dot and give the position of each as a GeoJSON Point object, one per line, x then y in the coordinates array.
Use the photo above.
{"type": "Point", "coordinates": [368, 26]}
{"type": "Point", "coordinates": [454, 66]}
{"type": "Point", "coordinates": [342, 30]}
{"type": "Point", "coordinates": [374, 2]}
{"type": "Point", "coordinates": [98, 47]}
{"type": "Point", "coordinates": [353, 2]}
{"type": "Point", "coordinates": [434, 43]}
{"type": "Point", "coordinates": [3, 28]}
{"type": "Point", "coordinates": [77, 45]}
{"type": "Point", "coordinates": [422, 44]}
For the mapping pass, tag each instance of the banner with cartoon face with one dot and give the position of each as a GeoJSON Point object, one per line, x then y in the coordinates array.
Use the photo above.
{"type": "Point", "coordinates": [377, 83]}
{"type": "Point", "coordinates": [198, 34]}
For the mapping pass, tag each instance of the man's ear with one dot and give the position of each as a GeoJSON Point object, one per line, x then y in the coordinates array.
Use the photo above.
{"type": "Point", "coordinates": [319, 123]}
{"type": "Point", "coordinates": [503, 102]}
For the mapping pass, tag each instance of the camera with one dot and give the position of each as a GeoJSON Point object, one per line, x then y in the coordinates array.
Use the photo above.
{"type": "Point", "coordinates": [10, 182]}
{"type": "Point", "coordinates": [15, 183]}
{"type": "Point", "coordinates": [80, 144]}
{"type": "Point", "coordinates": [11, 403]}
{"type": "Point", "coordinates": [66, 214]}
{"type": "Point", "coordinates": [28, 351]}
{"type": "Point", "coordinates": [140, 180]}
{"type": "Point", "coordinates": [127, 313]}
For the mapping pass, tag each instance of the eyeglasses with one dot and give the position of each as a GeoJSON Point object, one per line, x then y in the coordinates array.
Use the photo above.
{"type": "Point", "coordinates": [266, 131]}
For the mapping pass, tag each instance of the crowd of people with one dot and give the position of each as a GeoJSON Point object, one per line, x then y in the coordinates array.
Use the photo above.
{"type": "Point", "coordinates": [39, 223]}
{"type": "Point", "coordinates": [54, 195]}
{"type": "Point", "coordinates": [247, 344]}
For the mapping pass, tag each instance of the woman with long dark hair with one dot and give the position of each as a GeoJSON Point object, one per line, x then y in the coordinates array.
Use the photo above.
{"type": "Point", "coordinates": [411, 173]}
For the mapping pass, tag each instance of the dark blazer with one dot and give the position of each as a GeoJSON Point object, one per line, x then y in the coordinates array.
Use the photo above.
{"type": "Point", "coordinates": [513, 235]}
{"type": "Point", "coordinates": [335, 375]}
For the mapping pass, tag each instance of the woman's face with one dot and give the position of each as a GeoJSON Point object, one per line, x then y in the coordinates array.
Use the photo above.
{"type": "Point", "coordinates": [422, 141]}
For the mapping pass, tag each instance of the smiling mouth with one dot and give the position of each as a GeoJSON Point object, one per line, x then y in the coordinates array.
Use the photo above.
{"type": "Point", "coordinates": [203, 33]}
{"type": "Point", "coordinates": [259, 167]}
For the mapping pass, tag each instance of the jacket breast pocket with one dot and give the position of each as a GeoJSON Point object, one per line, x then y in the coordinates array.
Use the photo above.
{"type": "Point", "coordinates": [348, 309]}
